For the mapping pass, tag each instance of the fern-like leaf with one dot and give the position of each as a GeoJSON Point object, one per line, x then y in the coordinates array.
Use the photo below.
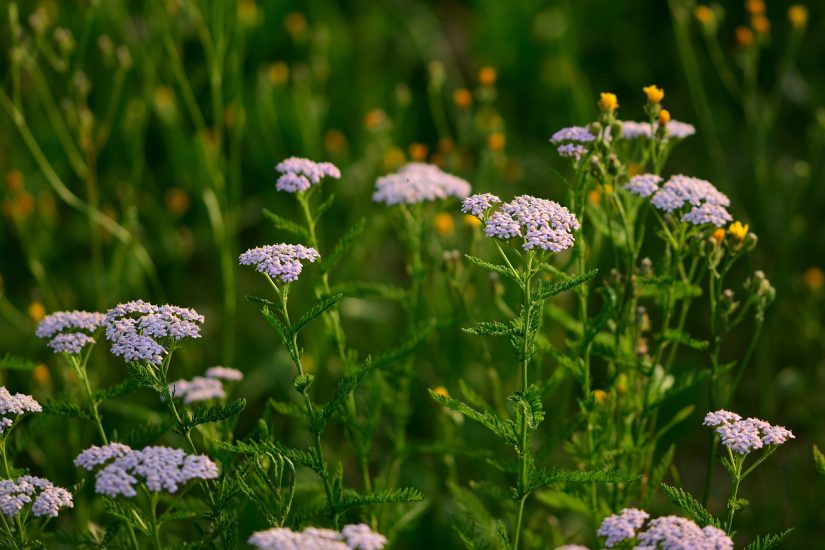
{"type": "Point", "coordinates": [346, 242]}
{"type": "Point", "coordinates": [504, 428]}
{"type": "Point", "coordinates": [692, 507]}
{"type": "Point", "coordinates": [548, 290]}
{"type": "Point", "coordinates": [767, 542]}
{"type": "Point", "coordinates": [316, 311]}
{"type": "Point", "coordinates": [287, 225]}
{"type": "Point", "coordinates": [12, 362]}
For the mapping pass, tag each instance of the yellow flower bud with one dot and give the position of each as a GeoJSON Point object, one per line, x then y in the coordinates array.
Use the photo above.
{"type": "Point", "coordinates": [496, 141]}
{"type": "Point", "coordinates": [814, 278]}
{"type": "Point", "coordinates": [704, 15]}
{"type": "Point", "coordinates": [755, 7]}
{"type": "Point", "coordinates": [718, 235]}
{"type": "Point", "coordinates": [36, 311]}
{"type": "Point", "coordinates": [738, 230]}
{"type": "Point", "coordinates": [761, 24]}
{"type": "Point", "coordinates": [798, 16]}
{"type": "Point", "coordinates": [374, 119]}
{"type": "Point", "coordinates": [654, 93]}
{"type": "Point", "coordinates": [441, 391]}
{"type": "Point", "coordinates": [444, 223]}
{"type": "Point", "coordinates": [335, 141]}
{"type": "Point", "coordinates": [744, 36]}
{"type": "Point", "coordinates": [664, 117]}
{"type": "Point", "coordinates": [418, 152]}
{"type": "Point", "coordinates": [487, 76]}
{"type": "Point", "coordinates": [471, 221]}
{"type": "Point", "coordinates": [600, 396]}
{"type": "Point", "coordinates": [463, 98]}
{"type": "Point", "coordinates": [594, 197]}
{"type": "Point", "coordinates": [608, 102]}
{"type": "Point", "coordinates": [41, 374]}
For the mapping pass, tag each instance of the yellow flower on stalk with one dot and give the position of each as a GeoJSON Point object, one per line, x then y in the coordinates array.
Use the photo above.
{"type": "Point", "coordinates": [471, 221]}
{"type": "Point", "coordinates": [664, 117]}
{"type": "Point", "coordinates": [798, 16]}
{"type": "Point", "coordinates": [755, 7]}
{"type": "Point", "coordinates": [335, 141]}
{"type": "Point", "coordinates": [600, 396]}
{"type": "Point", "coordinates": [704, 15]}
{"type": "Point", "coordinates": [738, 230]}
{"type": "Point", "coordinates": [594, 197]}
{"type": "Point", "coordinates": [744, 36]}
{"type": "Point", "coordinates": [463, 98]}
{"type": "Point", "coordinates": [441, 391]}
{"type": "Point", "coordinates": [608, 102]}
{"type": "Point", "coordinates": [761, 24]}
{"type": "Point", "coordinates": [41, 374]}
{"type": "Point", "coordinates": [374, 119]}
{"type": "Point", "coordinates": [718, 235]}
{"type": "Point", "coordinates": [814, 278]}
{"type": "Point", "coordinates": [444, 223]}
{"type": "Point", "coordinates": [36, 311]}
{"type": "Point", "coordinates": [418, 152]}
{"type": "Point", "coordinates": [654, 93]}
{"type": "Point", "coordinates": [487, 76]}
{"type": "Point", "coordinates": [496, 141]}
{"type": "Point", "coordinates": [177, 201]}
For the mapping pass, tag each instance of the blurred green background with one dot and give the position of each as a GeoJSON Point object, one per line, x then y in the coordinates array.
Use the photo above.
{"type": "Point", "coordinates": [137, 141]}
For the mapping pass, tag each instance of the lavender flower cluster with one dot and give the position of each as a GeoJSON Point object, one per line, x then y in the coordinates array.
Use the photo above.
{"type": "Point", "coordinates": [543, 223]}
{"type": "Point", "coordinates": [135, 328]}
{"type": "Point", "coordinates": [16, 404]}
{"type": "Point", "coordinates": [280, 261]}
{"type": "Point", "coordinates": [158, 468]}
{"type": "Point", "coordinates": [299, 174]}
{"type": "Point", "coordinates": [46, 498]}
{"type": "Point", "coordinates": [578, 134]}
{"type": "Point", "coordinates": [224, 373]}
{"type": "Point", "coordinates": [665, 533]}
{"type": "Point", "coordinates": [418, 182]}
{"type": "Point", "coordinates": [204, 388]}
{"type": "Point", "coordinates": [643, 185]}
{"type": "Point", "coordinates": [708, 203]}
{"type": "Point", "coordinates": [675, 129]}
{"type": "Point", "coordinates": [70, 331]}
{"type": "Point", "coordinates": [351, 537]}
{"type": "Point", "coordinates": [744, 436]}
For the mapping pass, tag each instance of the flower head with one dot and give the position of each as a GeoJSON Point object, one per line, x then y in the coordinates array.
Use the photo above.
{"type": "Point", "coordinates": [351, 537]}
{"type": "Point", "coordinates": [299, 174]}
{"type": "Point", "coordinates": [608, 102]}
{"type": "Point", "coordinates": [654, 93]}
{"type": "Point", "coordinates": [677, 129]}
{"type": "Point", "coordinates": [676, 533]}
{"type": "Point", "coordinates": [224, 373]}
{"type": "Point", "coordinates": [418, 182]}
{"type": "Point", "coordinates": [622, 526]}
{"type": "Point", "coordinates": [158, 468]}
{"type": "Point", "coordinates": [663, 117]}
{"type": "Point", "coordinates": [643, 185]}
{"type": "Point", "coordinates": [744, 436]}
{"type": "Point", "coordinates": [45, 498]}
{"type": "Point", "coordinates": [479, 203]}
{"type": "Point", "coordinates": [633, 130]}
{"type": "Point", "coordinates": [280, 261]}
{"type": "Point", "coordinates": [70, 331]}
{"type": "Point", "coordinates": [361, 537]}
{"type": "Point", "coordinates": [579, 134]}
{"type": "Point", "coordinates": [571, 150]}
{"type": "Point", "coordinates": [543, 223]}
{"type": "Point", "coordinates": [138, 330]}
{"type": "Point", "coordinates": [707, 202]}
{"type": "Point", "coordinates": [200, 388]}
{"type": "Point", "coordinates": [738, 230]}
{"type": "Point", "coordinates": [17, 404]}
{"type": "Point", "coordinates": [94, 456]}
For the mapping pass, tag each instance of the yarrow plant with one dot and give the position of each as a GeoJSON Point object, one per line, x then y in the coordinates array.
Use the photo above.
{"type": "Point", "coordinates": [666, 533]}
{"type": "Point", "coordinates": [352, 537]}
{"type": "Point", "coordinates": [299, 174]}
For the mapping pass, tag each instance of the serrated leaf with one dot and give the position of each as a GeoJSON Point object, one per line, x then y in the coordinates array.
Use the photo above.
{"type": "Point", "coordinates": [288, 409]}
{"type": "Point", "coordinates": [12, 362]}
{"type": "Point", "coordinates": [344, 244]}
{"type": "Point", "coordinates": [265, 448]}
{"type": "Point", "coordinates": [682, 337]}
{"type": "Point", "coordinates": [387, 496]}
{"type": "Point", "coordinates": [504, 428]}
{"type": "Point", "coordinates": [657, 475]}
{"type": "Point", "coordinates": [321, 209]}
{"type": "Point", "coordinates": [597, 323]}
{"type": "Point", "coordinates": [548, 290]}
{"type": "Point", "coordinates": [767, 542]}
{"type": "Point", "coordinates": [498, 268]}
{"type": "Point", "coordinates": [316, 311]}
{"type": "Point", "coordinates": [64, 408]}
{"type": "Point", "coordinates": [215, 413]}
{"type": "Point", "coordinates": [691, 507]}
{"type": "Point", "coordinates": [529, 403]}
{"type": "Point", "coordinates": [345, 387]}
{"type": "Point", "coordinates": [491, 328]}
{"type": "Point", "coordinates": [287, 225]}
{"type": "Point", "coordinates": [548, 478]}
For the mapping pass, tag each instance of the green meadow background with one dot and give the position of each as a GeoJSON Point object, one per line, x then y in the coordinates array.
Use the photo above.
{"type": "Point", "coordinates": [137, 152]}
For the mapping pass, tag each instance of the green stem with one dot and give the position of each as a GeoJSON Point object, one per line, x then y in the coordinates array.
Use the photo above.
{"type": "Point", "coordinates": [525, 362]}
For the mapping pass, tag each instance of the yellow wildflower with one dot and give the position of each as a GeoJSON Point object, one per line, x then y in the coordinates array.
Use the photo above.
{"type": "Point", "coordinates": [761, 24]}
{"type": "Point", "coordinates": [335, 141]}
{"type": "Point", "coordinates": [41, 374]}
{"type": "Point", "coordinates": [374, 119]}
{"type": "Point", "coordinates": [755, 7]}
{"type": "Point", "coordinates": [418, 152]}
{"type": "Point", "coordinates": [814, 278]}
{"type": "Point", "coordinates": [444, 223]}
{"type": "Point", "coordinates": [487, 76]}
{"type": "Point", "coordinates": [600, 396]}
{"type": "Point", "coordinates": [594, 197]}
{"type": "Point", "coordinates": [177, 201]}
{"type": "Point", "coordinates": [798, 16]}
{"type": "Point", "coordinates": [744, 36]}
{"type": "Point", "coordinates": [704, 15]}
{"type": "Point", "coordinates": [463, 98]}
{"type": "Point", "coordinates": [738, 230]}
{"type": "Point", "coordinates": [442, 391]}
{"type": "Point", "coordinates": [496, 141]}
{"type": "Point", "coordinates": [718, 235]}
{"type": "Point", "coordinates": [471, 221]}
{"type": "Point", "coordinates": [36, 311]}
{"type": "Point", "coordinates": [608, 102]}
{"type": "Point", "coordinates": [654, 93]}
{"type": "Point", "coordinates": [664, 117]}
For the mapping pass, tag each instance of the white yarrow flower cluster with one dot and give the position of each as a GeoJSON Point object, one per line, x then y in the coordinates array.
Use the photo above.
{"type": "Point", "coordinates": [46, 499]}
{"type": "Point", "coordinates": [351, 537]}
